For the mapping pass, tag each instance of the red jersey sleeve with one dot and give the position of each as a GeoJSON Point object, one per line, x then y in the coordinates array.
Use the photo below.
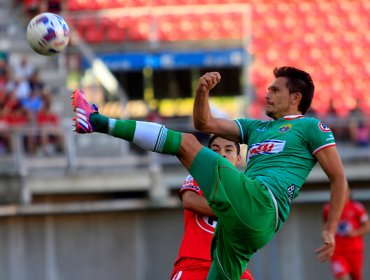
{"type": "Point", "coordinates": [325, 212]}
{"type": "Point", "coordinates": [361, 212]}
{"type": "Point", "coordinates": [190, 185]}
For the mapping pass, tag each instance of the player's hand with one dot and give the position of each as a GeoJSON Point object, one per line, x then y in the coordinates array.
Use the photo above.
{"type": "Point", "coordinates": [325, 252]}
{"type": "Point", "coordinates": [208, 81]}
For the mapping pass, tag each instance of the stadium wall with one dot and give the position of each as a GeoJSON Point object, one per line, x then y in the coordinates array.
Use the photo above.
{"type": "Point", "coordinates": [140, 244]}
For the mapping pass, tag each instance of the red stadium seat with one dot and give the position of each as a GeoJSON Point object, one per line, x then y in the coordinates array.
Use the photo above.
{"type": "Point", "coordinates": [129, 3]}
{"type": "Point", "coordinates": [139, 28]}
{"type": "Point", "coordinates": [115, 28]}
{"type": "Point", "coordinates": [320, 35]}
{"type": "Point", "coordinates": [73, 5]}
{"type": "Point", "coordinates": [79, 5]}
{"type": "Point", "coordinates": [94, 34]}
{"type": "Point", "coordinates": [168, 28]}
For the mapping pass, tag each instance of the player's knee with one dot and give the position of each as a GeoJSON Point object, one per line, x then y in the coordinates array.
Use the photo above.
{"type": "Point", "coordinates": [189, 143]}
{"type": "Point", "coordinates": [189, 148]}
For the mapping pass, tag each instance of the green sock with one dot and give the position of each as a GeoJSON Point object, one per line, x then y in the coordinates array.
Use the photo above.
{"type": "Point", "coordinates": [99, 122]}
{"type": "Point", "coordinates": [146, 135]}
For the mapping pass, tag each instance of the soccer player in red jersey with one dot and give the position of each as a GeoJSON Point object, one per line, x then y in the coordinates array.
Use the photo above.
{"type": "Point", "coordinates": [194, 259]}
{"type": "Point", "coordinates": [348, 257]}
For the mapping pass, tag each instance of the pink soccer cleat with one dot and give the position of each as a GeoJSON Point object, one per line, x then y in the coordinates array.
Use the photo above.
{"type": "Point", "coordinates": [83, 109]}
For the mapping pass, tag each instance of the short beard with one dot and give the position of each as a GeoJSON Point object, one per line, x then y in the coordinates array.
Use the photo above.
{"type": "Point", "coordinates": [270, 114]}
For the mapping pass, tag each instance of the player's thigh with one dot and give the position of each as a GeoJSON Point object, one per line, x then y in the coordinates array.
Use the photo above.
{"type": "Point", "coordinates": [340, 267]}
{"type": "Point", "coordinates": [214, 273]}
{"type": "Point", "coordinates": [239, 203]}
{"type": "Point", "coordinates": [356, 265]}
{"type": "Point", "coordinates": [189, 148]}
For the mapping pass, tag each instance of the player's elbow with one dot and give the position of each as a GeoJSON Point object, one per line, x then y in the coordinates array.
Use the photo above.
{"type": "Point", "coordinates": [200, 124]}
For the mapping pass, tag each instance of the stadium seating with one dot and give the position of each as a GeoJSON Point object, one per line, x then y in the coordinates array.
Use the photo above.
{"type": "Point", "coordinates": [328, 38]}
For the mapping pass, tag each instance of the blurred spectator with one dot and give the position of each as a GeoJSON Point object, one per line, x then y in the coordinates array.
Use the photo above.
{"type": "Point", "coordinates": [35, 81]}
{"type": "Point", "coordinates": [33, 104]}
{"type": "Point", "coordinates": [5, 133]}
{"type": "Point", "coordinates": [51, 139]}
{"type": "Point", "coordinates": [359, 127]}
{"type": "Point", "coordinates": [31, 8]}
{"type": "Point", "coordinates": [18, 118]}
{"type": "Point", "coordinates": [347, 261]}
{"type": "Point", "coordinates": [52, 6]}
{"type": "Point", "coordinates": [360, 133]}
{"type": "Point", "coordinates": [23, 70]}
{"type": "Point", "coordinates": [11, 102]}
{"type": "Point", "coordinates": [25, 108]}
{"type": "Point", "coordinates": [4, 68]}
{"type": "Point", "coordinates": [20, 88]}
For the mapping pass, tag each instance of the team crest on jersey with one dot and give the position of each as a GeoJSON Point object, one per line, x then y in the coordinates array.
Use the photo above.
{"type": "Point", "coordinates": [284, 128]}
{"type": "Point", "coordinates": [265, 148]}
{"type": "Point", "coordinates": [190, 183]}
{"type": "Point", "coordinates": [323, 127]}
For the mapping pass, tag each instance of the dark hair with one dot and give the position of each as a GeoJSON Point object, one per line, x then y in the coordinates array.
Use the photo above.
{"type": "Point", "coordinates": [298, 81]}
{"type": "Point", "coordinates": [214, 137]}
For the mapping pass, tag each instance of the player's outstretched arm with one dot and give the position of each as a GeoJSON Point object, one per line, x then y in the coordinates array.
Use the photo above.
{"type": "Point", "coordinates": [202, 116]}
{"type": "Point", "coordinates": [332, 165]}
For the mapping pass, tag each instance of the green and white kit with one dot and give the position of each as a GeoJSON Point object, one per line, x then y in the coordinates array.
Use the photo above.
{"type": "Point", "coordinates": [251, 206]}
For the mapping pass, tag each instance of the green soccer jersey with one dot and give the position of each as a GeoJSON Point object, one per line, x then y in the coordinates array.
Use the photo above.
{"type": "Point", "coordinates": [281, 154]}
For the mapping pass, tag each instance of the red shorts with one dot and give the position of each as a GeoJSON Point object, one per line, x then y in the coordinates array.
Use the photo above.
{"type": "Point", "coordinates": [200, 273]}
{"type": "Point", "coordinates": [347, 264]}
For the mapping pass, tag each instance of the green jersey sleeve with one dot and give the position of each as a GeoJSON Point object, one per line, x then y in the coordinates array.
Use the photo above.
{"type": "Point", "coordinates": [319, 136]}
{"type": "Point", "coordinates": [246, 126]}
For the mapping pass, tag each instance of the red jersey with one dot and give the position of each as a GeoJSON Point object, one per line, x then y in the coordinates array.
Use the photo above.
{"type": "Point", "coordinates": [47, 118]}
{"type": "Point", "coordinates": [195, 248]}
{"type": "Point", "coordinates": [353, 216]}
{"type": "Point", "coordinates": [198, 229]}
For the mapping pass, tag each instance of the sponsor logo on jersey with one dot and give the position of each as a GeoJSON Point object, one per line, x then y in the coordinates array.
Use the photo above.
{"type": "Point", "coordinates": [284, 128]}
{"type": "Point", "coordinates": [291, 190]}
{"type": "Point", "coordinates": [323, 127]}
{"type": "Point", "coordinates": [265, 148]}
{"type": "Point", "coordinates": [344, 228]}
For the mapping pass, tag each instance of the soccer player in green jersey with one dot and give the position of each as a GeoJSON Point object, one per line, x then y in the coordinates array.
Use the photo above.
{"type": "Point", "coordinates": [252, 205]}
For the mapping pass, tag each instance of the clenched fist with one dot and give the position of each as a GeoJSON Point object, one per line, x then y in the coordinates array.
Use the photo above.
{"type": "Point", "coordinates": [207, 82]}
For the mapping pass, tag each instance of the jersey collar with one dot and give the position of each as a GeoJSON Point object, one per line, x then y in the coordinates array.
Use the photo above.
{"type": "Point", "coordinates": [292, 117]}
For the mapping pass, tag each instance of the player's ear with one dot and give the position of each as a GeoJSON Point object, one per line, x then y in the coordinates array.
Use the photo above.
{"type": "Point", "coordinates": [296, 98]}
{"type": "Point", "coordinates": [238, 159]}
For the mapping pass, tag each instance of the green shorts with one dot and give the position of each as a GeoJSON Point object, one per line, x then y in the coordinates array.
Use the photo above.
{"type": "Point", "coordinates": [245, 210]}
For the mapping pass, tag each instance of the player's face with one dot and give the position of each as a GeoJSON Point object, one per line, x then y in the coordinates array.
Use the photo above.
{"type": "Point", "coordinates": [279, 100]}
{"type": "Point", "coordinates": [227, 149]}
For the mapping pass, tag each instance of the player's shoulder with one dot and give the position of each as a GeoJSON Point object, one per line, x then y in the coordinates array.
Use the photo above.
{"type": "Point", "coordinates": [315, 123]}
{"type": "Point", "coordinates": [248, 121]}
{"type": "Point", "coordinates": [358, 205]}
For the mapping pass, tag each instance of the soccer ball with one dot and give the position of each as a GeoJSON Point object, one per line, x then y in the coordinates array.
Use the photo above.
{"type": "Point", "coordinates": [47, 34]}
